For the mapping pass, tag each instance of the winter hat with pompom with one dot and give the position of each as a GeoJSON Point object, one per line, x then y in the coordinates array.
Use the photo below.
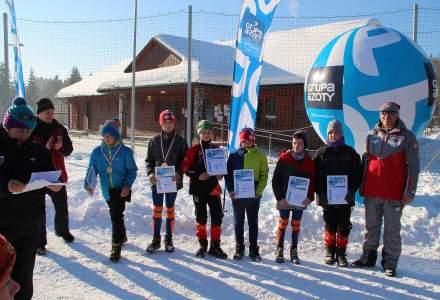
{"type": "Point", "coordinates": [19, 115]}
{"type": "Point", "coordinates": [111, 129]}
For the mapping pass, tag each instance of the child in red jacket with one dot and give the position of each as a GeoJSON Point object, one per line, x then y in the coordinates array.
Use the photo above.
{"type": "Point", "coordinates": [206, 191]}
{"type": "Point", "coordinates": [292, 162]}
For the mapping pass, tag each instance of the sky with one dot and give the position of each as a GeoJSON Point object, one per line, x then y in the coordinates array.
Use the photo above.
{"type": "Point", "coordinates": [110, 9]}
{"type": "Point", "coordinates": [54, 48]}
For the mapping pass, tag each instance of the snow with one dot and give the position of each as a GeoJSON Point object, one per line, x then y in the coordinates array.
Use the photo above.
{"type": "Point", "coordinates": [286, 61]}
{"type": "Point", "coordinates": [89, 85]}
{"type": "Point", "coordinates": [82, 270]}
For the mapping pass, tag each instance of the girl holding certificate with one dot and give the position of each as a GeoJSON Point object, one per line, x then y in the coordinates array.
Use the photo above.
{"type": "Point", "coordinates": [115, 165]}
{"type": "Point", "coordinates": [292, 184]}
{"type": "Point", "coordinates": [337, 178]}
{"type": "Point", "coordinates": [206, 191]}
{"type": "Point", "coordinates": [248, 157]}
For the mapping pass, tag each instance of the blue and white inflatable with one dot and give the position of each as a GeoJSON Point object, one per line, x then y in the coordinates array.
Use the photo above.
{"type": "Point", "coordinates": [361, 69]}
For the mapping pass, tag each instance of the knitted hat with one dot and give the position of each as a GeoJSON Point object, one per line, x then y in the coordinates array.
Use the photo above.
{"type": "Point", "coordinates": [300, 134]}
{"type": "Point", "coordinates": [114, 121]}
{"type": "Point", "coordinates": [391, 107]}
{"type": "Point", "coordinates": [166, 115]}
{"type": "Point", "coordinates": [44, 104]}
{"type": "Point", "coordinates": [111, 129]}
{"type": "Point", "coordinates": [7, 259]}
{"type": "Point", "coordinates": [19, 115]}
{"type": "Point", "coordinates": [336, 126]}
{"type": "Point", "coordinates": [247, 134]}
{"type": "Point", "coordinates": [203, 124]}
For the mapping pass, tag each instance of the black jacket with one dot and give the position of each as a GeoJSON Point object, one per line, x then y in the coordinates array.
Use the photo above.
{"type": "Point", "coordinates": [21, 214]}
{"type": "Point", "coordinates": [174, 158]}
{"type": "Point", "coordinates": [341, 160]}
{"type": "Point", "coordinates": [41, 135]}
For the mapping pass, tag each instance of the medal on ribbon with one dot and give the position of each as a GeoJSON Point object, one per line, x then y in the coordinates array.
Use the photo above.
{"type": "Point", "coordinates": [164, 156]}
{"type": "Point", "coordinates": [110, 160]}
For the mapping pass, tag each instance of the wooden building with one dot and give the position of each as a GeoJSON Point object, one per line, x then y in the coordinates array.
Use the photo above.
{"type": "Point", "coordinates": [161, 82]}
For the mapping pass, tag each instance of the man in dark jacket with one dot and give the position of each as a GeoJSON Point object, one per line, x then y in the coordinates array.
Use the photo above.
{"type": "Point", "coordinates": [334, 161]}
{"type": "Point", "coordinates": [21, 214]}
{"type": "Point", "coordinates": [390, 182]}
{"type": "Point", "coordinates": [54, 137]}
{"type": "Point", "coordinates": [165, 149]}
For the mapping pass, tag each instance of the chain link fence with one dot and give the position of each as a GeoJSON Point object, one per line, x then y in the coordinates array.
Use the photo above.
{"type": "Point", "coordinates": [85, 67]}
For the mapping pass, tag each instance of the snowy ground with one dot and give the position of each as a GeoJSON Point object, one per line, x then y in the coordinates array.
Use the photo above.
{"type": "Point", "coordinates": [81, 270]}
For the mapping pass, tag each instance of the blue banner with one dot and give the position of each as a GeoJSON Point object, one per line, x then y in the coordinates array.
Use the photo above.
{"type": "Point", "coordinates": [254, 23]}
{"type": "Point", "coordinates": [18, 77]}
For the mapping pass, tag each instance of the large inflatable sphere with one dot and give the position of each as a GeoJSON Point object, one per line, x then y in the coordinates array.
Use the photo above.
{"type": "Point", "coordinates": [361, 69]}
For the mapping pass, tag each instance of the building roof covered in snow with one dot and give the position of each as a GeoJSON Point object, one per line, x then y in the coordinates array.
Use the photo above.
{"type": "Point", "coordinates": [287, 57]}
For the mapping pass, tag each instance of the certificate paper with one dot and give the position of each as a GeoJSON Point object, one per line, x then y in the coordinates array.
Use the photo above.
{"type": "Point", "coordinates": [91, 179]}
{"type": "Point", "coordinates": [40, 180]}
{"type": "Point", "coordinates": [215, 162]}
{"type": "Point", "coordinates": [165, 183]}
{"type": "Point", "coordinates": [244, 185]}
{"type": "Point", "coordinates": [337, 188]}
{"type": "Point", "coordinates": [297, 190]}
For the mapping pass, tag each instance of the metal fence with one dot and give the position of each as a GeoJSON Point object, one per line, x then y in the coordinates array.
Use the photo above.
{"type": "Point", "coordinates": [56, 54]}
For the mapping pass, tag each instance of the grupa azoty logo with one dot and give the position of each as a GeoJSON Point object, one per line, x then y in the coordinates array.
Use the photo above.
{"type": "Point", "coordinates": [361, 69]}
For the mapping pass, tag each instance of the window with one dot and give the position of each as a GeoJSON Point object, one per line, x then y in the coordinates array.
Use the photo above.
{"type": "Point", "coordinates": [270, 109]}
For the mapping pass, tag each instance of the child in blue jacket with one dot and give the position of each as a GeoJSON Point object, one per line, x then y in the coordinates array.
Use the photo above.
{"type": "Point", "coordinates": [114, 163]}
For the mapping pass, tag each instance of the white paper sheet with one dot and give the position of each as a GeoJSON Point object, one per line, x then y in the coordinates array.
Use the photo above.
{"type": "Point", "coordinates": [216, 162]}
{"type": "Point", "coordinates": [337, 188]}
{"type": "Point", "coordinates": [165, 183]}
{"type": "Point", "coordinates": [91, 180]}
{"type": "Point", "coordinates": [244, 184]}
{"type": "Point", "coordinates": [40, 180]}
{"type": "Point", "coordinates": [297, 190]}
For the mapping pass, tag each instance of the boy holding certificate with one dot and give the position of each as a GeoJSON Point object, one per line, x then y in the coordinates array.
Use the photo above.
{"type": "Point", "coordinates": [338, 176]}
{"type": "Point", "coordinates": [114, 163]}
{"type": "Point", "coordinates": [165, 150]}
{"type": "Point", "coordinates": [206, 191]}
{"type": "Point", "coordinates": [246, 199]}
{"type": "Point", "coordinates": [292, 184]}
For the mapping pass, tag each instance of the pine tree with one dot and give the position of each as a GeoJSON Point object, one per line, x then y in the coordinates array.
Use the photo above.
{"type": "Point", "coordinates": [32, 89]}
{"type": "Point", "coordinates": [74, 76]}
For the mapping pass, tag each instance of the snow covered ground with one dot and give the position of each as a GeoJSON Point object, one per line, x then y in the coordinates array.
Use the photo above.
{"type": "Point", "coordinates": [81, 270]}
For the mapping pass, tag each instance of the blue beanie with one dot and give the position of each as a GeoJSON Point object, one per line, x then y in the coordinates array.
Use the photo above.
{"type": "Point", "coordinates": [110, 129]}
{"type": "Point", "coordinates": [19, 115]}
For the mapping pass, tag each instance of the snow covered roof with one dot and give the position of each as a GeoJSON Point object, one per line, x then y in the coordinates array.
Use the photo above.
{"type": "Point", "coordinates": [89, 85]}
{"type": "Point", "coordinates": [287, 57]}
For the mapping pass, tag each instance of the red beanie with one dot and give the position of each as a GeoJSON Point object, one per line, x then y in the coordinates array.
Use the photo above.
{"type": "Point", "coordinates": [166, 115]}
{"type": "Point", "coordinates": [247, 134]}
{"type": "Point", "coordinates": [7, 259]}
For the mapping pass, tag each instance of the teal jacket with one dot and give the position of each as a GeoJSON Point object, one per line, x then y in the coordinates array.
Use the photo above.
{"type": "Point", "coordinates": [123, 167]}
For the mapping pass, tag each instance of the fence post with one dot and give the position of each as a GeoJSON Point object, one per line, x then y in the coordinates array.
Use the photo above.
{"type": "Point", "coordinates": [270, 144]}
{"type": "Point", "coordinates": [133, 83]}
{"type": "Point", "coordinates": [188, 88]}
{"type": "Point", "coordinates": [415, 21]}
{"type": "Point", "coordinates": [221, 133]}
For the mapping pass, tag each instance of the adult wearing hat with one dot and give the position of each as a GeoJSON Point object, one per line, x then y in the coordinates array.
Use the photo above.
{"type": "Point", "coordinates": [390, 183]}
{"type": "Point", "coordinates": [333, 160]}
{"type": "Point", "coordinates": [292, 162]}
{"type": "Point", "coordinates": [248, 156]}
{"type": "Point", "coordinates": [8, 286]}
{"type": "Point", "coordinates": [165, 149]}
{"type": "Point", "coordinates": [206, 191]}
{"type": "Point", "coordinates": [54, 136]}
{"type": "Point", "coordinates": [21, 214]}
